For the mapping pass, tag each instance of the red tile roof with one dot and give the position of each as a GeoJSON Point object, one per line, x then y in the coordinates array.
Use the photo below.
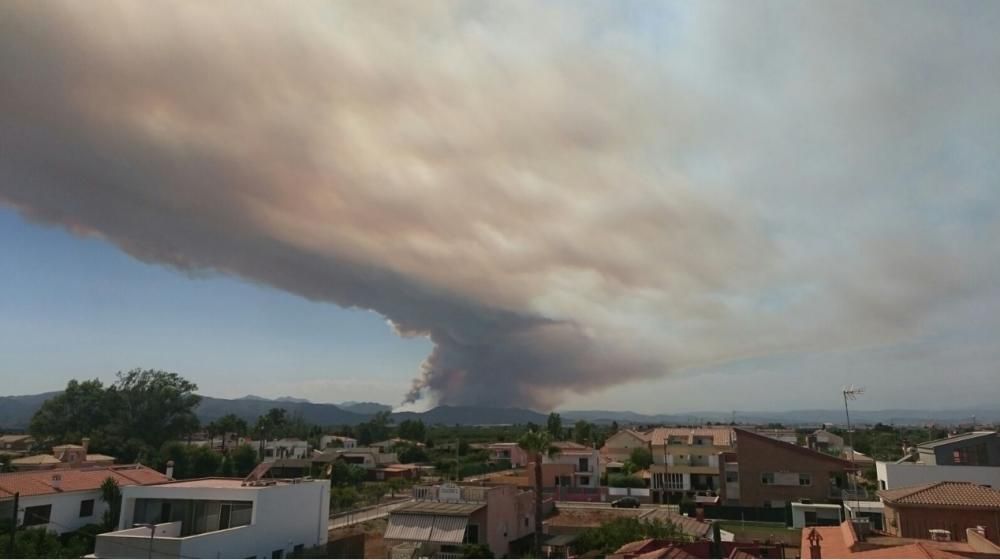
{"type": "Point", "coordinates": [944, 494]}
{"type": "Point", "coordinates": [842, 542]}
{"type": "Point", "coordinates": [37, 483]}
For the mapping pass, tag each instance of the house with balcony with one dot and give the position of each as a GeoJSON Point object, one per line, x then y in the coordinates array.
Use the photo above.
{"type": "Point", "coordinates": [971, 457]}
{"type": "Point", "coordinates": [822, 440]}
{"type": "Point", "coordinates": [767, 472]}
{"type": "Point", "coordinates": [219, 518]}
{"type": "Point", "coordinates": [573, 467]}
{"type": "Point", "coordinates": [688, 462]}
{"type": "Point", "coordinates": [65, 499]}
{"type": "Point", "coordinates": [442, 519]}
{"type": "Point", "coordinates": [507, 453]}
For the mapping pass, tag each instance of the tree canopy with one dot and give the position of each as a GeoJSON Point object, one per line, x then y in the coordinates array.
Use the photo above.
{"type": "Point", "coordinates": [133, 417]}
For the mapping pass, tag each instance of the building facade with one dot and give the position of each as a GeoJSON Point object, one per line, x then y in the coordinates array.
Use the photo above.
{"type": "Point", "coordinates": [689, 463]}
{"type": "Point", "coordinates": [220, 518]}
{"type": "Point", "coordinates": [976, 449]}
{"type": "Point", "coordinates": [64, 500]}
{"type": "Point", "coordinates": [942, 510]}
{"type": "Point", "coordinates": [767, 472]}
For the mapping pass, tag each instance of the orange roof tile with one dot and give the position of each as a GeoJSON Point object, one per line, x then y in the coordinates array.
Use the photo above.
{"type": "Point", "coordinates": [943, 494]}
{"type": "Point", "coordinates": [37, 483]}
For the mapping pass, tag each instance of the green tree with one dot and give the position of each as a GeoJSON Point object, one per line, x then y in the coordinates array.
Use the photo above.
{"type": "Point", "coordinates": [413, 454]}
{"type": "Point", "coordinates": [204, 461]}
{"type": "Point", "coordinates": [641, 457]}
{"type": "Point", "coordinates": [112, 496]}
{"type": "Point", "coordinates": [231, 424]}
{"type": "Point", "coordinates": [157, 406]}
{"type": "Point", "coordinates": [537, 444]}
{"type": "Point", "coordinates": [83, 409]}
{"type": "Point", "coordinates": [36, 542]}
{"type": "Point", "coordinates": [476, 551]}
{"type": "Point", "coordinates": [611, 536]}
{"type": "Point", "coordinates": [413, 430]}
{"type": "Point", "coordinates": [344, 474]}
{"type": "Point", "coordinates": [244, 459]}
{"type": "Point", "coordinates": [554, 425]}
{"type": "Point", "coordinates": [583, 432]}
{"type": "Point", "coordinates": [625, 481]}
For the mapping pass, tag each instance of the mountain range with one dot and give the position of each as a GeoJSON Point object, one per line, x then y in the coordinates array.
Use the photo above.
{"type": "Point", "coordinates": [16, 412]}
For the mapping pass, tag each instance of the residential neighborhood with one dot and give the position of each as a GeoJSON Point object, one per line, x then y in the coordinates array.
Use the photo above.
{"type": "Point", "coordinates": [721, 491]}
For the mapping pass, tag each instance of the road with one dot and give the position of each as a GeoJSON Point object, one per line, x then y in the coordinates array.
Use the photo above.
{"type": "Point", "coordinates": [353, 517]}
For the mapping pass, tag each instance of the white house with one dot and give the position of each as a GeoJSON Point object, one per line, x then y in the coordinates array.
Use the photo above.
{"type": "Point", "coordinates": [285, 448]}
{"type": "Point", "coordinates": [897, 475]}
{"type": "Point", "coordinates": [220, 518]}
{"type": "Point", "coordinates": [64, 500]}
{"type": "Point", "coordinates": [343, 442]}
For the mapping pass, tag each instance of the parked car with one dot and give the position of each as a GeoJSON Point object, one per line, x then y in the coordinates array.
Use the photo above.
{"type": "Point", "coordinates": [627, 502]}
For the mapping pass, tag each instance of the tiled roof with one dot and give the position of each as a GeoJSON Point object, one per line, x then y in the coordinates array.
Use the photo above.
{"type": "Point", "coordinates": [38, 483]}
{"type": "Point", "coordinates": [790, 447]}
{"type": "Point", "coordinates": [36, 460]}
{"type": "Point", "coordinates": [688, 525]}
{"type": "Point", "coordinates": [955, 439]}
{"type": "Point", "coordinates": [841, 542]}
{"type": "Point", "coordinates": [720, 436]}
{"type": "Point", "coordinates": [947, 494]}
{"type": "Point", "coordinates": [14, 438]}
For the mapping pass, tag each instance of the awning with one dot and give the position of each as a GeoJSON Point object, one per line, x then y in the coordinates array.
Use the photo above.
{"type": "Point", "coordinates": [449, 529]}
{"type": "Point", "coordinates": [409, 527]}
{"type": "Point", "coordinates": [443, 529]}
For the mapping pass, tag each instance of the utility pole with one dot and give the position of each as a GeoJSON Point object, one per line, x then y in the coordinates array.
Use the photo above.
{"type": "Point", "coordinates": [13, 523]}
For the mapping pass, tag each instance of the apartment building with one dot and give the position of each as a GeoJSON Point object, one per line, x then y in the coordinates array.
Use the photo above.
{"type": "Point", "coordinates": [619, 446]}
{"type": "Point", "coordinates": [766, 472]}
{"type": "Point", "coordinates": [220, 518]}
{"type": "Point", "coordinates": [688, 462]}
{"type": "Point", "coordinates": [974, 449]}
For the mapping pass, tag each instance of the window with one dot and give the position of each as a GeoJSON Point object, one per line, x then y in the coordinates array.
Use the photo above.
{"type": "Point", "coordinates": [959, 457]}
{"type": "Point", "coordinates": [881, 484]}
{"type": "Point", "coordinates": [584, 464]}
{"type": "Point", "coordinates": [86, 508]}
{"type": "Point", "coordinates": [767, 478]}
{"type": "Point", "coordinates": [805, 479]}
{"type": "Point", "coordinates": [37, 515]}
{"type": "Point", "coordinates": [471, 534]}
{"type": "Point", "coordinates": [584, 481]}
{"type": "Point", "coordinates": [526, 519]}
{"type": "Point", "coordinates": [732, 476]}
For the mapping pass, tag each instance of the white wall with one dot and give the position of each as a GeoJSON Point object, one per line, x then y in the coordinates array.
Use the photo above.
{"type": "Point", "coordinates": [65, 515]}
{"type": "Point", "coordinates": [893, 475]}
{"type": "Point", "coordinates": [284, 515]}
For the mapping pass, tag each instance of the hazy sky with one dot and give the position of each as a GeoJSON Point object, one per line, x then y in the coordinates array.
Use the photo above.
{"type": "Point", "coordinates": [621, 205]}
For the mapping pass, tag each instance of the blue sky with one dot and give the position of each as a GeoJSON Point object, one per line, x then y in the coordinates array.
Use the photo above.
{"type": "Point", "coordinates": [77, 307]}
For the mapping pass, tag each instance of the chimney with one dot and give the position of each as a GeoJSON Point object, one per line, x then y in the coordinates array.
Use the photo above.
{"type": "Point", "coordinates": [85, 442]}
{"type": "Point", "coordinates": [170, 470]}
{"type": "Point", "coordinates": [57, 482]}
{"type": "Point", "coordinates": [699, 514]}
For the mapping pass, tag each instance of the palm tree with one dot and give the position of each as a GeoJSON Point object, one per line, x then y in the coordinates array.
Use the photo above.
{"type": "Point", "coordinates": [538, 444]}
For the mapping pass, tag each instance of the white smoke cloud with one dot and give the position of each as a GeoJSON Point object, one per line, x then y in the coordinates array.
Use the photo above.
{"type": "Point", "coordinates": [558, 199]}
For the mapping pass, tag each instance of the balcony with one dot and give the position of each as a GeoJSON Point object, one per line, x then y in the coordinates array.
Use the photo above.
{"type": "Point", "coordinates": [168, 542]}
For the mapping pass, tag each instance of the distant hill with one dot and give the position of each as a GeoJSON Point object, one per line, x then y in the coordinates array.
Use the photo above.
{"type": "Point", "coordinates": [473, 415]}
{"type": "Point", "coordinates": [364, 407]}
{"type": "Point", "coordinates": [16, 413]}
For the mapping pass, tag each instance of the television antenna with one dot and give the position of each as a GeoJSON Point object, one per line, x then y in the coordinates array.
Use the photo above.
{"type": "Point", "coordinates": [852, 393]}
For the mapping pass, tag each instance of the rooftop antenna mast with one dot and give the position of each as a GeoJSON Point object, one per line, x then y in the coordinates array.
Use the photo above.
{"type": "Point", "coordinates": [851, 393]}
